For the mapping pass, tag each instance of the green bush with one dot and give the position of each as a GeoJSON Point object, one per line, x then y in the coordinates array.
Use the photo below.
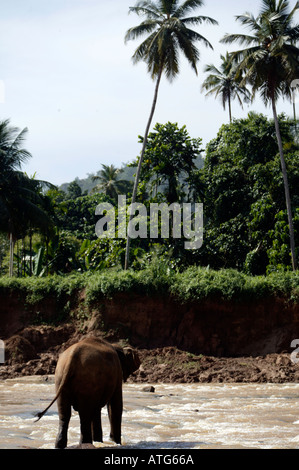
{"type": "Point", "coordinates": [36, 289]}
{"type": "Point", "coordinates": [197, 284]}
{"type": "Point", "coordinates": [146, 282]}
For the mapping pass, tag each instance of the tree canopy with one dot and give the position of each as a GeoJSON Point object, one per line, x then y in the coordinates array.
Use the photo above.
{"type": "Point", "coordinates": [269, 64]}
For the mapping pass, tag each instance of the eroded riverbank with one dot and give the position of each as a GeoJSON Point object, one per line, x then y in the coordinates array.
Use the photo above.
{"type": "Point", "coordinates": [163, 365]}
{"type": "Point", "coordinates": [35, 351]}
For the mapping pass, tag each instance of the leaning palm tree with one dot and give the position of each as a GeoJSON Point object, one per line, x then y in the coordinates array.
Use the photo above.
{"type": "Point", "coordinates": [223, 83]}
{"type": "Point", "coordinates": [270, 64]}
{"type": "Point", "coordinates": [168, 33]}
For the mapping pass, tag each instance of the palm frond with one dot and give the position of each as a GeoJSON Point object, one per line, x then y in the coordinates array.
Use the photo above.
{"type": "Point", "coordinates": [225, 83]}
{"type": "Point", "coordinates": [186, 7]}
{"type": "Point", "coordinates": [195, 20]}
{"type": "Point", "coordinates": [213, 70]}
{"type": "Point", "coordinates": [291, 15]}
{"type": "Point", "coordinates": [168, 34]}
{"type": "Point", "coordinates": [168, 7]}
{"type": "Point", "coordinates": [240, 38]}
{"type": "Point", "coordinates": [247, 19]}
{"type": "Point", "coordinates": [12, 153]}
{"type": "Point", "coordinates": [196, 37]}
{"type": "Point", "coordinates": [271, 60]}
{"type": "Point", "coordinates": [146, 8]}
{"type": "Point", "coordinates": [145, 27]}
{"type": "Point", "coordinates": [142, 51]}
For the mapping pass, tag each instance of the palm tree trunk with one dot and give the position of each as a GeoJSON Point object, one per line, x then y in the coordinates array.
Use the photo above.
{"type": "Point", "coordinates": [230, 108]}
{"type": "Point", "coordinates": [11, 252]}
{"type": "Point", "coordinates": [47, 253]}
{"type": "Point", "coordinates": [127, 257]}
{"type": "Point", "coordinates": [18, 259]}
{"type": "Point", "coordinates": [286, 188]}
{"type": "Point", "coordinates": [23, 268]}
{"type": "Point", "coordinates": [294, 106]}
{"type": "Point", "coordinates": [30, 252]}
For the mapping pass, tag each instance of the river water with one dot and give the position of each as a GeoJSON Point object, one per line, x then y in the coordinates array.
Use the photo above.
{"type": "Point", "coordinates": [197, 416]}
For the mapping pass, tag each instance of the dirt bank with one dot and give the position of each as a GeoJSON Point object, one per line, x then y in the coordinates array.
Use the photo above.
{"type": "Point", "coordinates": [211, 327]}
{"type": "Point", "coordinates": [35, 350]}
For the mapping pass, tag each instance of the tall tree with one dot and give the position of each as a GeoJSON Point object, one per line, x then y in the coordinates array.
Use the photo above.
{"type": "Point", "coordinates": [21, 198]}
{"type": "Point", "coordinates": [224, 84]}
{"type": "Point", "coordinates": [12, 155]}
{"type": "Point", "coordinates": [74, 190]}
{"type": "Point", "coordinates": [169, 160]}
{"type": "Point", "coordinates": [109, 182]}
{"type": "Point", "coordinates": [269, 64]}
{"type": "Point", "coordinates": [168, 33]}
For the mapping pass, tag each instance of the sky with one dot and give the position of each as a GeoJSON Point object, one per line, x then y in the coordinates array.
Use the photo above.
{"type": "Point", "coordinates": [67, 75]}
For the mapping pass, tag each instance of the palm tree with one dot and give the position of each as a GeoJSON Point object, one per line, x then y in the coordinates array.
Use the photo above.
{"type": "Point", "coordinates": [269, 64]}
{"type": "Point", "coordinates": [11, 158]}
{"type": "Point", "coordinates": [168, 33]}
{"type": "Point", "coordinates": [21, 198]}
{"type": "Point", "coordinates": [109, 182]}
{"type": "Point", "coordinates": [223, 83]}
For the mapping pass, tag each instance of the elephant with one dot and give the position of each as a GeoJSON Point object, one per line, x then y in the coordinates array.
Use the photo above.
{"type": "Point", "coordinates": [88, 376]}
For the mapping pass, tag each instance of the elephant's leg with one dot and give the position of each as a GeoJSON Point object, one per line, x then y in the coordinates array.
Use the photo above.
{"type": "Point", "coordinates": [85, 427]}
{"type": "Point", "coordinates": [115, 409]}
{"type": "Point", "coordinates": [97, 434]}
{"type": "Point", "coordinates": [64, 410]}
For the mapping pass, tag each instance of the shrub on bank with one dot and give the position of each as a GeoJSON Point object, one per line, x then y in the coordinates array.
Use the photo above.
{"type": "Point", "coordinates": [197, 284]}
{"type": "Point", "coordinates": [193, 284]}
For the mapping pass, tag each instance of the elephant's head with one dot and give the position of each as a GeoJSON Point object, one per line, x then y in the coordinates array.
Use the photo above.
{"type": "Point", "coordinates": [129, 360]}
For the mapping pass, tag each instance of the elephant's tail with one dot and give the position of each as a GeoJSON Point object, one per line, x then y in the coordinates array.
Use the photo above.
{"type": "Point", "coordinates": [41, 413]}
{"type": "Point", "coordinates": [61, 386]}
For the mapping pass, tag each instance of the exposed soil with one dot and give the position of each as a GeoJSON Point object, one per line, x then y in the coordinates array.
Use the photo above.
{"type": "Point", "coordinates": [170, 365]}
{"type": "Point", "coordinates": [35, 350]}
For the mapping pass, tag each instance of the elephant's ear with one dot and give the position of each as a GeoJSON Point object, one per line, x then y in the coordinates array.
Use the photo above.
{"type": "Point", "coordinates": [132, 360]}
{"type": "Point", "coordinates": [129, 360]}
{"type": "Point", "coordinates": [122, 358]}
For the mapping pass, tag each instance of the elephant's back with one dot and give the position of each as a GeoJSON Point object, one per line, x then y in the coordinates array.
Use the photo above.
{"type": "Point", "coordinates": [89, 352]}
{"type": "Point", "coordinates": [94, 371]}
{"type": "Point", "coordinates": [95, 359]}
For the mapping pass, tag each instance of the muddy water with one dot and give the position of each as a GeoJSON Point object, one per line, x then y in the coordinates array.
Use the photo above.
{"type": "Point", "coordinates": [262, 416]}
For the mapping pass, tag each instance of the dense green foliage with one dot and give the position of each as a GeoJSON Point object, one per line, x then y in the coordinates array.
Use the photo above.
{"type": "Point", "coordinates": [246, 219]}
{"type": "Point", "coordinates": [239, 182]}
{"type": "Point", "coordinates": [171, 161]}
{"type": "Point", "coordinates": [269, 64]}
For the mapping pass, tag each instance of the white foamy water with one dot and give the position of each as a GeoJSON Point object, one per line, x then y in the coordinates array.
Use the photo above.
{"type": "Point", "coordinates": [197, 416]}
